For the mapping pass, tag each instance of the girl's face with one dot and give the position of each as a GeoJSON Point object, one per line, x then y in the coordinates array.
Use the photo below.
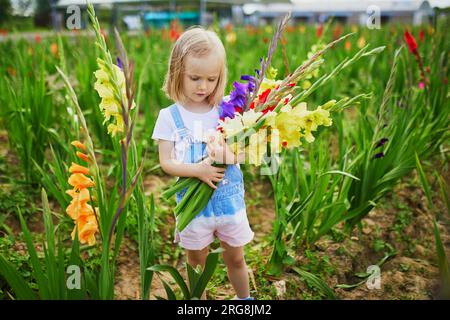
{"type": "Point", "coordinates": [200, 78]}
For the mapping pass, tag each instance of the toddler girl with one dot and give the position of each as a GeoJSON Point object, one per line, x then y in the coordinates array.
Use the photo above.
{"type": "Point", "coordinates": [195, 81]}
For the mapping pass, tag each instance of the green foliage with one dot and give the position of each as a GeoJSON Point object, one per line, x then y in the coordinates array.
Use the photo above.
{"type": "Point", "coordinates": [197, 278]}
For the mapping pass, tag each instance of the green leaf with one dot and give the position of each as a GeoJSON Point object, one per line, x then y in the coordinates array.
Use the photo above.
{"type": "Point", "coordinates": [423, 181]}
{"type": "Point", "coordinates": [444, 268]}
{"type": "Point", "coordinates": [210, 267]}
{"type": "Point", "coordinates": [15, 280]}
{"type": "Point", "coordinates": [170, 294]}
{"type": "Point", "coordinates": [175, 275]}
{"type": "Point", "coordinates": [318, 283]}
{"type": "Point", "coordinates": [39, 275]}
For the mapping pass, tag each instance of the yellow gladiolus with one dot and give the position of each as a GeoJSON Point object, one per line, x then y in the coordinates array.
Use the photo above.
{"type": "Point", "coordinates": [272, 73]}
{"type": "Point", "coordinates": [268, 84]}
{"type": "Point", "coordinates": [361, 42]}
{"type": "Point", "coordinates": [257, 147]}
{"type": "Point", "coordinates": [250, 117]}
{"type": "Point", "coordinates": [231, 37]}
{"type": "Point", "coordinates": [112, 96]}
{"type": "Point", "coordinates": [231, 126]}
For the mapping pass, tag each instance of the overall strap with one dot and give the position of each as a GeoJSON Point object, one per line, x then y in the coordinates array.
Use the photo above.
{"type": "Point", "coordinates": [181, 128]}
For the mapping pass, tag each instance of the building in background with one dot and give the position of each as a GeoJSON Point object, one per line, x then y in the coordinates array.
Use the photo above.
{"type": "Point", "coordinates": [138, 14]}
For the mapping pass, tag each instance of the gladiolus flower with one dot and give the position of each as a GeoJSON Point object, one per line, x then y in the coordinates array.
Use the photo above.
{"type": "Point", "coordinates": [54, 49]}
{"type": "Point", "coordinates": [378, 155]}
{"type": "Point", "coordinates": [421, 35]}
{"type": "Point", "coordinates": [76, 168]}
{"type": "Point", "coordinates": [79, 210]}
{"type": "Point", "coordinates": [348, 45]}
{"type": "Point", "coordinates": [231, 37]}
{"type": "Point", "coordinates": [80, 181]}
{"type": "Point", "coordinates": [257, 147]}
{"type": "Point", "coordinates": [319, 31]}
{"type": "Point", "coordinates": [361, 42]}
{"type": "Point", "coordinates": [263, 96]}
{"type": "Point", "coordinates": [78, 206]}
{"type": "Point", "coordinates": [111, 105]}
{"type": "Point", "coordinates": [381, 142]}
{"type": "Point", "coordinates": [83, 156]}
{"type": "Point", "coordinates": [86, 230]}
{"type": "Point", "coordinates": [337, 31]}
{"type": "Point", "coordinates": [79, 145]}
{"type": "Point", "coordinates": [410, 41]}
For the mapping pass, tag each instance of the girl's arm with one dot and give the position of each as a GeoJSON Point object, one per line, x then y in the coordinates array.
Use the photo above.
{"type": "Point", "coordinates": [203, 170]}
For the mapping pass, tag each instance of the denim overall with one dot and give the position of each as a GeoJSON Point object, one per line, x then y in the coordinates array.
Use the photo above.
{"type": "Point", "coordinates": [228, 198]}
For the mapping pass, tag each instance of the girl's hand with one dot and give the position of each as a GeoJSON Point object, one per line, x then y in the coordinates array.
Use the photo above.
{"type": "Point", "coordinates": [220, 152]}
{"type": "Point", "coordinates": [209, 174]}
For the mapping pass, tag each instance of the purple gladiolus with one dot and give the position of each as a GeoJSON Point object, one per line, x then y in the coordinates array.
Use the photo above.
{"type": "Point", "coordinates": [378, 155]}
{"type": "Point", "coordinates": [240, 89]}
{"type": "Point", "coordinates": [381, 142]}
{"type": "Point", "coordinates": [227, 110]}
{"type": "Point", "coordinates": [238, 97]}
{"type": "Point", "coordinates": [119, 63]}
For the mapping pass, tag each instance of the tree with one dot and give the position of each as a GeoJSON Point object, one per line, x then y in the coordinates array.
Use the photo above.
{"type": "Point", "coordinates": [5, 11]}
{"type": "Point", "coordinates": [42, 15]}
{"type": "Point", "coordinates": [24, 6]}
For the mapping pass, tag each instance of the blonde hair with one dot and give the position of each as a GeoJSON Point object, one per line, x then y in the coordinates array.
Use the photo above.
{"type": "Point", "coordinates": [197, 42]}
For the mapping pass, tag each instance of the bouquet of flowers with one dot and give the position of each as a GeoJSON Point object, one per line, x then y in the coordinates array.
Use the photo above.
{"type": "Point", "coordinates": [265, 115]}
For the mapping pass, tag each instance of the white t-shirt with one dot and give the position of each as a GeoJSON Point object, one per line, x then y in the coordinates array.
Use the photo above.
{"type": "Point", "coordinates": [198, 124]}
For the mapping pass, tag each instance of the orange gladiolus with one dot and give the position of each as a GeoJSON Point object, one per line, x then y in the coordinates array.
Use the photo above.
{"type": "Point", "coordinates": [54, 49]}
{"type": "Point", "coordinates": [79, 199]}
{"type": "Point", "coordinates": [79, 210]}
{"type": "Point", "coordinates": [79, 145]}
{"type": "Point", "coordinates": [83, 156]}
{"type": "Point", "coordinates": [76, 168]}
{"type": "Point", "coordinates": [80, 181]}
{"type": "Point", "coordinates": [348, 45]}
{"type": "Point", "coordinates": [86, 230]}
{"type": "Point", "coordinates": [82, 196]}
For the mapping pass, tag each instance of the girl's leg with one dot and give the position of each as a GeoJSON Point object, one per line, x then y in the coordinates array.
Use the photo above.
{"type": "Point", "coordinates": [237, 269]}
{"type": "Point", "coordinates": [195, 258]}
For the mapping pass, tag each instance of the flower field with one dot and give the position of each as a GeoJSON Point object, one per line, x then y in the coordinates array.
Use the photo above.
{"type": "Point", "coordinates": [80, 182]}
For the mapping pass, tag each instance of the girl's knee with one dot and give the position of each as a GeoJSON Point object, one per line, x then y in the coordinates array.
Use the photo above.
{"type": "Point", "coordinates": [197, 257]}
{"type": "Point", "coordinates": [235, 262]}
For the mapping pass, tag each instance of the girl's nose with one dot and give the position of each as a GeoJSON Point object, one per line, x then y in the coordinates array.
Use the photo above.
{"type": "Point", "coordinates": [202, 85]}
